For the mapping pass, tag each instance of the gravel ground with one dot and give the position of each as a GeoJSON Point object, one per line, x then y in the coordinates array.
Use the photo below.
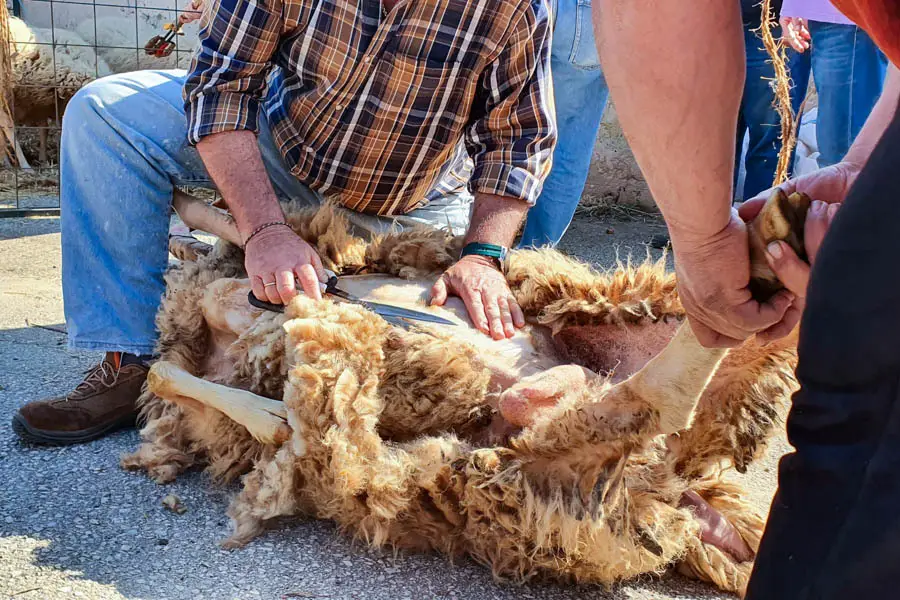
{"type": "Point", "coordinates": [74, 525]}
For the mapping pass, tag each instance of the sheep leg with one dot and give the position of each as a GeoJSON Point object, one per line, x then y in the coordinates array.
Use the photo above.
{"type": "Point", "coordinates": [672, 382]}
{"type": "Point", "coordinates": [265, 419]}
{"type": "Point", "coordinates": [187, 247]}
{"type": "Point", "coordinates": [196, 214]}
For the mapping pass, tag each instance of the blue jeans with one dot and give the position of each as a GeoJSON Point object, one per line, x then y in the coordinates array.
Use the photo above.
{"type": "Point", "coordinates": [849, 73]}
{"type": "Point", "coordinates": [123, 151]}
{"type": "Point", "coordinates": [759, 119]}
{"type": "Point", "coordinates": [580, 94]}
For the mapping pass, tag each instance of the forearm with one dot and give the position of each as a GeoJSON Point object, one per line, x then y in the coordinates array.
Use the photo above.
{"type": "Point", "coordinates": [235, 164]}
{"type": "Point", "coordinates": [676, 75]}
{"type": "Point", "coordinates": [878, 120]}
{"type": "Point", "coordinates": [495, 220]}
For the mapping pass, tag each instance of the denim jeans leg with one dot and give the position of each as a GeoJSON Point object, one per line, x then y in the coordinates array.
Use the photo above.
{"type": "Point", "coordinates": [849, 72]}
{"type": "Point", "coordinates": [123, 149]}
{"type": "Point", "coordinates": [580, 94]}
{"type": "Point", "coordinates": [759, 116]}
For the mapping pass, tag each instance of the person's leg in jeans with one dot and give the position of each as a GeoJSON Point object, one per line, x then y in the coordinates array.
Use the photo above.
{"type": "Point", "coordinates": [758, 114]}
{"type": "Point", "coordinates": [123, 149]}
{"type": "Point", "coordinates": [849, 73]}
{"type": "Point", "coordinates": [834, 528]}
{"type": "Point", "coordinates": [580, 94]}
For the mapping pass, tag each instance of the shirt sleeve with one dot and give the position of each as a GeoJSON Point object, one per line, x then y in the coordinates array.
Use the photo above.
{"type": "Point", "coordinates": [512, 138]}
{"type": "Point", "coordinates": [227, 77]}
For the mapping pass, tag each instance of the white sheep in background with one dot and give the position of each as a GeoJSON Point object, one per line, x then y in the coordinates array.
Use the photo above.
{"type": "Point", "coordinates": [117, 43]}
{"type": "Point", "coordinates": [42, 81]}
{"type": "Point", "coordinates": [48, 67]}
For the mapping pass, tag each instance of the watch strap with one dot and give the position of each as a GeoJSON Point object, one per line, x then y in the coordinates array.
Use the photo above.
{"type": "Point", "coordinates": [489, 250]}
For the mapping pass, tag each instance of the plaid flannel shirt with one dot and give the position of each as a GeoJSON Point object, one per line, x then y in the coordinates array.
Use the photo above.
{"type": "Point", "coordinates": [384, 112]}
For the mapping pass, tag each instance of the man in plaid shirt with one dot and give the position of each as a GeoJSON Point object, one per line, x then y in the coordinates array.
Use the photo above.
{"type": "Point", "coordinates": [434, 111]}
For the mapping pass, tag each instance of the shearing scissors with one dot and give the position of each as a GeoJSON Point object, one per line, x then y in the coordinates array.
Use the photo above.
{"type": "Point", "coordinates": [395, 315]}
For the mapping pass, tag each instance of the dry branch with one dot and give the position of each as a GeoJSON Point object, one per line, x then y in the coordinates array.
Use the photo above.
{"type": "Point", "coordinates": [776, 52]}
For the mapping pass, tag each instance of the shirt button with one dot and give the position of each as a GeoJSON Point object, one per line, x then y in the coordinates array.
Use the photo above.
{"type": "Point", "coordinates": [339, 107]}
{"type": "Point", "coordinates": [367, 59]}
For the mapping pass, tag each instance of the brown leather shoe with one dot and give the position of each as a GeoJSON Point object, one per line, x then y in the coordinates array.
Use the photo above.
{"type": "Point", "coordinates": [104, 402]}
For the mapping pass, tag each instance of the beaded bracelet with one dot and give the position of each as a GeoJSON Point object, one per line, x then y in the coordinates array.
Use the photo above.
{"type": "Point", "coordinates": [261, 228]}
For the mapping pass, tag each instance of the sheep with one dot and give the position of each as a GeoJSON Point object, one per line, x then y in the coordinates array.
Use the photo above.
{"type": "Point", "coordinates": [115, 39]}
{"type": "Point", "coordinates": [440, 438]}
{"type": "Point", "coordinates": [43, 68]}
{"type": "Point", "coordinates": [47, 67]}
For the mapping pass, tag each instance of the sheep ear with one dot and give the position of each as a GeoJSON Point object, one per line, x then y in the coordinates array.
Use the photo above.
{"type": "Point", "coordinates": [673, 381]}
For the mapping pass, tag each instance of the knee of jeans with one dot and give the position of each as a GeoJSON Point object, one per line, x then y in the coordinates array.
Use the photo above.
{"type": "Point", "coordinates": [83, 108]}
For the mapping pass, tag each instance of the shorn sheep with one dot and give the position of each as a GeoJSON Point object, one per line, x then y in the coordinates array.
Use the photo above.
{"type": "Point", "coordinates": [590, 447]}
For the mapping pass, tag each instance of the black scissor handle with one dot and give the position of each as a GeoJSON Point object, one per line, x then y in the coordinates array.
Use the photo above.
{"type": "Point", "coordinates": [254, 301]}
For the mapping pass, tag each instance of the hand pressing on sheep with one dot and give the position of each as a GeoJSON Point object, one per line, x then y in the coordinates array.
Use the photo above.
{"type": "Point", "coordinates": [277, 259]}
{"type": "Point", "coordinates": [478, 280]}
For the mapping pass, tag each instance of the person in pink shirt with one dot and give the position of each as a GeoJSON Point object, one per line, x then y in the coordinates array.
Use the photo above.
{"type": "Point", "coordinates": [846, 65]}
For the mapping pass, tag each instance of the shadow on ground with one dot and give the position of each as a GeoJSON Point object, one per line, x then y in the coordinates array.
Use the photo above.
{"type": "Point", "coordinates": [21, 228]}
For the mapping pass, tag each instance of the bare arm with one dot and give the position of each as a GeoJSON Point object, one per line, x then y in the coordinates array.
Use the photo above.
{"type": "Point", "coordinates": [495, 219]}
{"type": "Point", "coordinates": [675, 72]}
{"type": "Point", "coordinates": [275, 254]}
{"type": "Point", "coordinates": [235, 164]}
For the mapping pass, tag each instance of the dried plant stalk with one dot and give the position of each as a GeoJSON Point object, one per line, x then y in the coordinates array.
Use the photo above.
{"type": "Point", "coordinates": [782, 89]}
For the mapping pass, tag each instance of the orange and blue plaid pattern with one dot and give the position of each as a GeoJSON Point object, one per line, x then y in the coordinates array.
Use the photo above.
{"type": "Point", "coordinates": [383, 112]}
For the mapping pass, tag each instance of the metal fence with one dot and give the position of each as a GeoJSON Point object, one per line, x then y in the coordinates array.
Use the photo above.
{"type": "Point", "coordinates": [54, 48]}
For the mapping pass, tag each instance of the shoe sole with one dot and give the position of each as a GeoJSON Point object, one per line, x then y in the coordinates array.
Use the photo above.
{"type": "Point", "coordinates": [31, 435]}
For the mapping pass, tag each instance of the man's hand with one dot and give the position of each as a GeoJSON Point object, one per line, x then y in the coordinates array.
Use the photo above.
{"type": "Point", "coordinates": [277, 256]}
{"type": "Point", "coordinates": [828, 184]}
{"type": "Point", "coordinates": [795, 32]}
{"type": "Point", "coordinates": [790, 269]}
{"type": "Point", "coordinates": [483, 288]}
{"type": "Point", "coordinates": [193, 12]}
{"type": "Point", "coordinates": [713, 275]}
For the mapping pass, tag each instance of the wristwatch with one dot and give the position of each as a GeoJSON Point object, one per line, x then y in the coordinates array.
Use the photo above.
{"type": "Point", "coordinates": [498, 253]}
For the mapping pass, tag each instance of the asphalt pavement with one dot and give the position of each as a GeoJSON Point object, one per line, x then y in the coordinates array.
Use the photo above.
{"type": "Point", "coordinates": [75, 525]}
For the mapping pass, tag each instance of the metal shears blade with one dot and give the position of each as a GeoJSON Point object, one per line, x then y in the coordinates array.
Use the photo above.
{"type": "Point", "coordinates": [384, 310]}
{"type": "Point", "coordinates": [395, 315]}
